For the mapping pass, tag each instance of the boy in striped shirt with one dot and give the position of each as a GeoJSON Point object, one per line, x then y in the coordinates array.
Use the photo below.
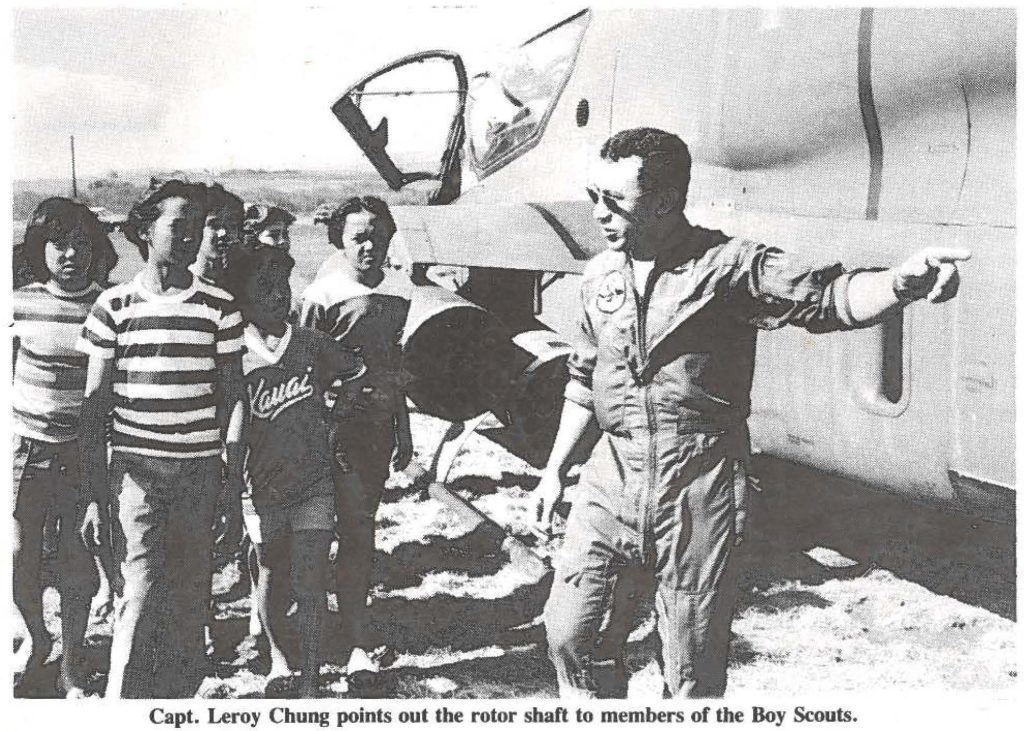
{"type": "Point", "coordinates": [165, 360]}
{"type": "Point", "coordinates": [62, 246]}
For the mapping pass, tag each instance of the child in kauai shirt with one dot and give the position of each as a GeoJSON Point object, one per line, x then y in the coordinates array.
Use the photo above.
{"type": "Point", "coordinates": [289, 466]}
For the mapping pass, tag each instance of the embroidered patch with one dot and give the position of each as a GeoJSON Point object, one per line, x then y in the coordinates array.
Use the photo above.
{"type": "Point", "coordinates": [611, 293]}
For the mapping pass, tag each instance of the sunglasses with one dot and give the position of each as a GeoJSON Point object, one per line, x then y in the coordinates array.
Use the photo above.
{"type": "Point", "coordinates": [610, 202]}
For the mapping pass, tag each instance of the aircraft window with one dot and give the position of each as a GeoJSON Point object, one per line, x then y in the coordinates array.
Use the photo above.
{"type": "Point", "coordinates": [418, 100]}
{"type": "Point", "coordinates": [510, 106]}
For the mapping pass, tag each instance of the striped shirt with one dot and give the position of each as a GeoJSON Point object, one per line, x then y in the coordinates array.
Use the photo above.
{"type": "Point", "coordinates": [166, 349]}
{"type": "Point", "coordinates": [49, 372]}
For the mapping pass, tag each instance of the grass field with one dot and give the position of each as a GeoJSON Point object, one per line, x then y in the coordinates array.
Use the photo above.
{"type": "Point", "coordinates": [298, 191]}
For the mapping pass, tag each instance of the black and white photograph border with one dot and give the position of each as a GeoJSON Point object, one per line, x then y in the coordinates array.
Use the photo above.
{"type": "Point", "coordinates": [871, 517]}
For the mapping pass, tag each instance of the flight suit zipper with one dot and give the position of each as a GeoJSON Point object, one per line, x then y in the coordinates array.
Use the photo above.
{"type": "Point", "coordinates": [643, 380]}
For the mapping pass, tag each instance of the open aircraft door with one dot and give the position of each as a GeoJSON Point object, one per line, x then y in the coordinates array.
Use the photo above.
{"type": "Point", "coordinates": [408, 119]}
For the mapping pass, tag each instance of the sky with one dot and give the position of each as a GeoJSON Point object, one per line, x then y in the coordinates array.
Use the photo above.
{"type": "Point", "coordinates": [202, 87]}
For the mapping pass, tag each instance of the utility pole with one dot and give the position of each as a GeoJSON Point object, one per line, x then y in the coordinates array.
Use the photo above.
{"type": "Point", "coordinates": [74, 180]}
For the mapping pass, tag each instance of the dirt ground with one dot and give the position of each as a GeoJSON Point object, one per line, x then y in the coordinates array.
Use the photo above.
{"type": "Point", "coordinates": [844, 589]}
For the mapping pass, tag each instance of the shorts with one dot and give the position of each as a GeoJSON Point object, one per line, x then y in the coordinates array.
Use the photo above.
{"type": "Point", "coordinates": [49, 472]}
{"type": "Point", "coordinates": [270, 522]}
{"type": "Point", "coordinates": [47, 493]}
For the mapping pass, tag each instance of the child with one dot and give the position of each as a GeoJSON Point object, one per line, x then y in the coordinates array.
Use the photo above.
{"type": "Point", "coordinates": [286, 370]}
{"type": "Point", "coordinates": [222, 231]}
{"type": "Point", "coordinates": [268, 226]}
{"type": "Point", "coordinates": [363, 307]}
{"type": "Point", "coordinates": [62, 247]}
{"type": "Point", "coordinates": [264, 225]}
{"type": "Point", "coordinates": [165, 359]}
{"type": "Point", "coordinates": [105, 258]}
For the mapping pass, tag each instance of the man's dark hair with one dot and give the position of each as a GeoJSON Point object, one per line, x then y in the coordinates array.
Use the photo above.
{"type": "Point", "coordinates": [244, 262]}
{"type": "Point", "coordinates": [52, 220]}
{"type": "Point", "coordinates": [665, 158]}
{"type": "Point", "coordinates": [147, 210]}
{"type": "Point", "coordinates": [355, 204]}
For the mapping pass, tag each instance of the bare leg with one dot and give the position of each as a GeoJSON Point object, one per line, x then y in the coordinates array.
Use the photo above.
{"type": "Point", "coordinates": [310, 550]}
{"type": "Point", "coordinates": [273, 598]}
{"type": "Point", "coordinates": [253, 563]}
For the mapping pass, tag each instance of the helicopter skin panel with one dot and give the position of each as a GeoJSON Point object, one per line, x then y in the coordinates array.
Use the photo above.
{"type": "Point", "coordinates": [547, 237]}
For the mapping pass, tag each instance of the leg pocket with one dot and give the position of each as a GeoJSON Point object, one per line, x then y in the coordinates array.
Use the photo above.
{"type": "Point", "coordinates": [694, 526]}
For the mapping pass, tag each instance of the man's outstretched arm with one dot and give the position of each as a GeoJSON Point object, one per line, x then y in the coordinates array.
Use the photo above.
{"type": "Point", "coordinates": [930, 274]}
{"type": "Point", "coordinates": [782, 289]}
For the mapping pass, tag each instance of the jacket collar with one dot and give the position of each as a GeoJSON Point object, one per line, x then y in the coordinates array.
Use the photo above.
{"type": "Point", "coordinates": [691, 246]}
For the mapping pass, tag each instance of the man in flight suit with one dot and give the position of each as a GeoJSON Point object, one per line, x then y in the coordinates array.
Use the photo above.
{"type": "Point", "coordinates": [663, 362]}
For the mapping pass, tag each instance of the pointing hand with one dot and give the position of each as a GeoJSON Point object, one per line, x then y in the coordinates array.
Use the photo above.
{"type": "Point", "coordinates": [931, 273]}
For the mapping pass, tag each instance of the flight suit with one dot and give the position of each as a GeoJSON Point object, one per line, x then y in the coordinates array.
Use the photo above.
{"type": "Point", "coordinates": [666, 366]}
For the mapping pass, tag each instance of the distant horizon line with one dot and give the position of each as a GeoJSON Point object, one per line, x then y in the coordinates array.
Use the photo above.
{"type": "Point", "coordinates": [143, 172]}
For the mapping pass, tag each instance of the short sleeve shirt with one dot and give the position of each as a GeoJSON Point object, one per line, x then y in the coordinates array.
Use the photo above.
{"type": "Point", "coordinates": [370, 322]}
{"type": "Point", "coordinates": [288, 450]}
{"type": "Point", "coordinates": [49, 371]}
{"type": "Point", "coordinates": [166, 350]}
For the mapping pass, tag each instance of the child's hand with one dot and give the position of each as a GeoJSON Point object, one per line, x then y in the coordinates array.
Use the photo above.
{"type": "Point", "coordinates": [93, 527]}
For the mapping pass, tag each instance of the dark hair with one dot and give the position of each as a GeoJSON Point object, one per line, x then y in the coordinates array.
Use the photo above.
{"type": "Point", "coordinates": [665, 159]}
{"type": "Point", "coordinates": [147, 210]}
{"type": "Point", "coordinates": [217, 198]}
{"type": "Point", "coordinates": [243, 262]}
{"type": "Point", "coordinates": [259, 217]}
{"type": "Point", "coordinates": [368, 203]}
{"type": "Point", "coordinates": [52, 220]}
